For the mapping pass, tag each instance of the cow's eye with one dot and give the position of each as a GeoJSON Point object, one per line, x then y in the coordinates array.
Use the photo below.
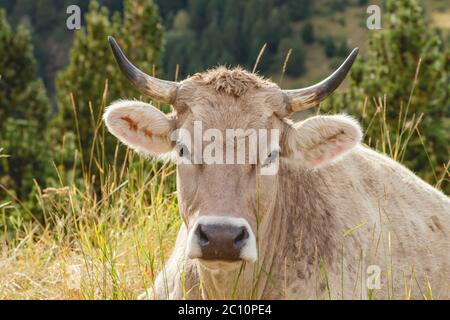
{"type": "Point", "coordinates": [271, 158]}
{"type": "Point", "coordinates": [183, 151]}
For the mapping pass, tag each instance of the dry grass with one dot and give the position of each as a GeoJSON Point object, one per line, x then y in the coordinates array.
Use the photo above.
{"type": "Point", "coordinates": [441, 19]}
{"type": "Point", "coordinates": [108, 249]}
{"type": "Point", "coordinates": [106, 245]}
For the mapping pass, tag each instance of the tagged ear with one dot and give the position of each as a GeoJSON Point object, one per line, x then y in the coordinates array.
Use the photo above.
{"type": "Point", "coordinates": [321, 140]}
{"type": "Point", "coordinates": [140, 126]}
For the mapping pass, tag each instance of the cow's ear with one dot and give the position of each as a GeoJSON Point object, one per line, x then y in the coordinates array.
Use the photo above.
{"type": "Point", "coordinates": [140, 126]}
{"type": "Point", "coordinates": [321, 140]}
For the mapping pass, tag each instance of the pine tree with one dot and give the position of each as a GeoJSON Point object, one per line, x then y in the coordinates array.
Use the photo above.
{"type": "Point", "coordinates": [140, 34]}
{"type": "Point", "coordinates": [143, 33]}
{"type": "Point", "coordinates": [308, 33]}
{"type": "Point", "coordinates": [299, 9]}
{"type": "Point", "coordinates": [390, 68]}
{"type": "Point", "coordinates": [24, 111]}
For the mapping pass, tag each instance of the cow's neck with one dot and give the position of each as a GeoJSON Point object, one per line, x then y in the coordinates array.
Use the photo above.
{"type": "Point", "coordinates": [304, 234]}
{"type": "Point", "coordinates": [308, 224]}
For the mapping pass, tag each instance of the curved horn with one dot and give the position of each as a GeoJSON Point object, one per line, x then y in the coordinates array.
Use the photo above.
{"type": "Point", "coordinates": [302, 99]}
{"type": "Point", "coordinates": [160, 90]}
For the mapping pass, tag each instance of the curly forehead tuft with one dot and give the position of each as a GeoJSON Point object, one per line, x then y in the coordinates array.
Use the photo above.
{"type": "Point", "coordinates": [236, 81]}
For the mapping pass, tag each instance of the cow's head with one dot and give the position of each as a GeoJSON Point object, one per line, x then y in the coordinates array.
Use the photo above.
{"type": "Point", "coordinates": [227, 165]}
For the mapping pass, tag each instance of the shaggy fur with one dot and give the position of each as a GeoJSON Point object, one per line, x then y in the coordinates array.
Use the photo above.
{"type": "Point", "coordinates": [334, 209]}
{"type": "Point", "coordinates": [235, 82]}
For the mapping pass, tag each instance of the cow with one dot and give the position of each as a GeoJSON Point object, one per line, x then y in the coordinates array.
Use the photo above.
{"type": "Point", "coordinates": [336, 220]}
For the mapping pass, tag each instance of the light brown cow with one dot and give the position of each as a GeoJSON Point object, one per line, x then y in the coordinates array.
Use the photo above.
{"type": "Point", "coordinates": [337, 220]}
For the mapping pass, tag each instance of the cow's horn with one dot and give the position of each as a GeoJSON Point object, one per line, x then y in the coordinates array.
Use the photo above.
{"type": "Point", "coordinates": [302, 99]}
{"type": "Point", "coordinates": [159, 90]}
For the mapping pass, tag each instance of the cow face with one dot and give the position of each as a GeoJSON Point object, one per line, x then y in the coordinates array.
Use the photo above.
{"type": "Point", "coordinates": [227, 148]}
{"type": "Point", "coordinates": [235, 189]}
{"type": "Point", "coordinates": [223, 204]}
{"type": "Point", "coordinates": [228, 134]}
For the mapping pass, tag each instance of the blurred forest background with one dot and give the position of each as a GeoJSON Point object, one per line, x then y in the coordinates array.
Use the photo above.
{"type": "Point", "coordinates": [55, 82]}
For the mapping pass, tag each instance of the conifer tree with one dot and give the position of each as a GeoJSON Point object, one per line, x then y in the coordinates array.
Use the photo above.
{"type": "Point", "coordinates": [139, 33]}
{"type": "Point", "coordinates": [24, 112]}
{"type": "Point", "coordinates": [389, 68]}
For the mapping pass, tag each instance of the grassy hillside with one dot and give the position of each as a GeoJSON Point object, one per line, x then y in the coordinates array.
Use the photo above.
{"type": "Point", "coordinates": [350, 23]}
{"type": "Point", "coordinates": [52, 41]}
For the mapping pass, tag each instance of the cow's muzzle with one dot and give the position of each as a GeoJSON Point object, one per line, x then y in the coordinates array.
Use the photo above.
{"type": "Point", "coordinates": [222, 239]}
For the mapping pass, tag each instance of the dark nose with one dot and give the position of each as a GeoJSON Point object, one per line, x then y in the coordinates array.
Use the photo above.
{"type": "Point", "coordinates": [221, 241]}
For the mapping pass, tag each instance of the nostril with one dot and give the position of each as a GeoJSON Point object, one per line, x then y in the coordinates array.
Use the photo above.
{"type": "Point", "coordinates": [202, 237]}
{"type": "Point", "coordinates": [239, 241]}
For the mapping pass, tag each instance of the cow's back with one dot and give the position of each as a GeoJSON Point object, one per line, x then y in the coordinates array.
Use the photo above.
{"type": "Point", "coordinates": [396, 221]}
